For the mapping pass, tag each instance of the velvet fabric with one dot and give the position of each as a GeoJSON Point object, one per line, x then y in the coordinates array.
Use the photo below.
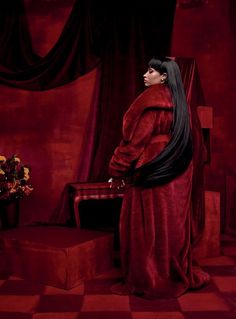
{"type": "Point", "coordinates": [57, 256]}
{"type": "Point", "coordinates": [16, 52]}
{"type": "Point", "coordinates": [143, 130]}
{"type": "Point", "coordinates": [72, 56]}
{"type": "Point", "coordinates": [61, 132]}
{"type": "Point", "coordinates": [195, 97]}
{"type": "Point", "coordinates": [155, 223]}
{"type": "Point", "coordinates": [86, 37]}
{"type": "Point", "coordinates": [156, 96]}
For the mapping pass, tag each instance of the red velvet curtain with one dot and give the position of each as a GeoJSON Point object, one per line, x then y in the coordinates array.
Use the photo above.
{"type": "Point", "coordinates": [87, 34]}
{"type": "Point", "coordinates": [16, 51]}
{"type": "Point", "coordinates": [73, 55]}
{"type": "Point", "coordinates": [47, 126]}
{"type": "Point", "coordinates": [195, 97]}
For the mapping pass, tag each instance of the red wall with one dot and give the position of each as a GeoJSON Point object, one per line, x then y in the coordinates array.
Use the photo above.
{"type": "Point", "coordinates": [207, 33]}
{"type": "Point", "coordinates": [46, 128]}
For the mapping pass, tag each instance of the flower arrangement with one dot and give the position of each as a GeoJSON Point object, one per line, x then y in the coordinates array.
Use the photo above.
{"type": "Point", "coordinates": [13, 178]}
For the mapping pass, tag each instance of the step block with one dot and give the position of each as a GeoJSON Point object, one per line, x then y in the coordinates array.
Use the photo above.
{"type": "Point", "coordinates": [57, 256]}
{"type": "Point", "coordinates": [209, 244]}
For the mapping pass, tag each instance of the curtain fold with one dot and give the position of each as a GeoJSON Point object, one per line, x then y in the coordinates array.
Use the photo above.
{"type": "Point", "coordinates": [88, 146]}
{"type": "Point", "coordinates": [84, 42]}
{"type": "Point", "coordinates": [16, 51]}
{"type": "Point", "coordinates": [195, 97]}
{"type": "Point", "coordinates": [73, 55]}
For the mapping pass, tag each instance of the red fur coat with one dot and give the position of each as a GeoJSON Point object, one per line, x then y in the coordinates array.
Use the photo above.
{"type": "Point", "coordinates": [146, 127]}
{"type": "Point", "coordinates": [155, 230]}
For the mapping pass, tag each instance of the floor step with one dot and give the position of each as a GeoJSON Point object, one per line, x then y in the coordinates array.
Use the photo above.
{"type": "Point", "coordinates": [58, 256]}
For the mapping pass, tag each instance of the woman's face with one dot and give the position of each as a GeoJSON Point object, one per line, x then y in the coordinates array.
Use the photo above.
{"type": "Point", "coordinates": [152, 77]}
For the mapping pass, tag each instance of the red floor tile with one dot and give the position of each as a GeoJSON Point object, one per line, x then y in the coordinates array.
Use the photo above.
{"type": "Point", "coordinates": [139, 304]}
{"type": "Point", "coordinates": [78, 290]}
{"type": "Point", "coordinates": [56, 315]}
{"type": "Point", "coordinates": [225, 284]}
{"type": "Point", "coordinates": [105, 303]}
{"type": "Point", "coordinates": [209, 315]}
{"type": "Point", "coordinates": [11, 303]}
{"type": "Point", "coordinates": [60, 303]}
{"type": "Point", "coordinates": [99, 286]}
{"type": "Point", "coordinates": [20, 287]}
{"type": "Point", "coordinates": [202, 302]}
{"type": "Point", "coordinates": [105, 315]}
{"type": "Point", "coordinates": [15, 315]}
{"type": "Point", "coordinates": [230, 298]}
{"type": "Point", "coordinates": [157, 315]}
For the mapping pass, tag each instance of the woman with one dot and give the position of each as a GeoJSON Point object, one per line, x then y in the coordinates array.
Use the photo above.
{"type": "Point", "coordinates": [155, 154]}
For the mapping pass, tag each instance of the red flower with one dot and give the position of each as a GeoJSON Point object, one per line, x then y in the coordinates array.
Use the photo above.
{"type": "Point", "coordinates": [14, 178]}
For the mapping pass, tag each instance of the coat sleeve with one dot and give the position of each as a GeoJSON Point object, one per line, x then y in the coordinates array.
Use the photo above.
{"type": "Point", "coordinates": [128, 152]}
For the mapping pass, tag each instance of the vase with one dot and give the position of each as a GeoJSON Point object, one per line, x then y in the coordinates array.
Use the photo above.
{"type": "Point", "coordinates": [9, 214]}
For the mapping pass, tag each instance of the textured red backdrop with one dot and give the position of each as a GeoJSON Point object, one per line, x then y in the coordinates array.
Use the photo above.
{"type": "Point", "coordinates": [208, 33]}
{"type": "Point", "coordinates": [46, 128]}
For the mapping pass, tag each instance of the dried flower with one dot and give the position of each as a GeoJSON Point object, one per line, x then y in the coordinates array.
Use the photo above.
{"type": "Point", "coordinates": [14, 178]}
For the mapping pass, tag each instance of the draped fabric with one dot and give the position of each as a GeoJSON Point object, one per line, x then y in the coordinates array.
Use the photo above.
{"type": "Point", "coordinates": [16, 52]}
{"type": "Point", "coordinates": [155, 240]}
{"type": "Point", "coordinates": [195, 97]}
{"type": "Point", "coordinates": [73, 55]}
{"type": "Point", "coordinates": [86, 36]}
{"type": "Point", "coordinates": [119, 41]}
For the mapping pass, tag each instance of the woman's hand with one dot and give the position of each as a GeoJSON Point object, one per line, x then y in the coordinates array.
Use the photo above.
{"type": "Point", "coordinates": [117, 183]}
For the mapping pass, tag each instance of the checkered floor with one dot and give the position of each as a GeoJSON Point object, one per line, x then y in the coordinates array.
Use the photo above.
{"type": "Point", "coordinates": [92, 300]}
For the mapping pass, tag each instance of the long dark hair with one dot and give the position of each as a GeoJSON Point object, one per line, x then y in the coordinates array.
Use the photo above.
{"type": "Point", "coordinates": [177, 155]}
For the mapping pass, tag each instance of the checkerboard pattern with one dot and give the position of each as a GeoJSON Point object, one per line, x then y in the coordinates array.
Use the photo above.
{"type": "Point", "coordinates": [93, 300]}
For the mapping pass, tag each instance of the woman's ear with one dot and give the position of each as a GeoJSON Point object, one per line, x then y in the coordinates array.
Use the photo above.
{"type": "Point", "coordinates": [163, 77]}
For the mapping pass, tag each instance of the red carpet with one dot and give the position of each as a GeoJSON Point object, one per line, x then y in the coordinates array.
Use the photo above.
{"type": "Point", "coordinates": [92, 299]}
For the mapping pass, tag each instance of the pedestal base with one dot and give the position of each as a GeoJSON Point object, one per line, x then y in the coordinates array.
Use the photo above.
{"type": "Point", "coordinates": [9, 214]}
{"type": "Point", "coordinates": [209, 245]}
{"type": "Point", "coordinates": [57, 256]}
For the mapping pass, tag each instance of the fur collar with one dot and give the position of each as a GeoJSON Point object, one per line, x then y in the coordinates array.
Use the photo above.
{"type": "Point", "coordinates": [155, 96]}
